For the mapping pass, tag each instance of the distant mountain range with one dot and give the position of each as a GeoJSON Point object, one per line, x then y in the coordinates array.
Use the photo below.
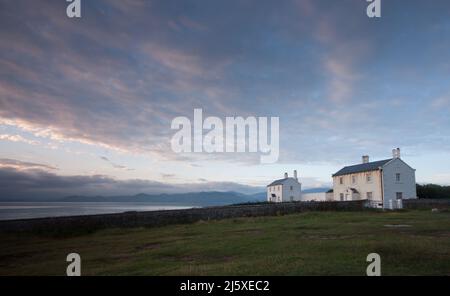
{"type": "Point", "coordinates": [210, 198]}
{"type": "Point", "coordinates": [213, 198]}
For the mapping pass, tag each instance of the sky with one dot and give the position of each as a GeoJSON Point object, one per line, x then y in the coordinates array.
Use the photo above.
{"type": "Point", "coordinates": [86, 104]}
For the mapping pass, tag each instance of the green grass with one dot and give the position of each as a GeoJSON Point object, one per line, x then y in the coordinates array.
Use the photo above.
{"type": "Point", "coordinates": [313, 243]}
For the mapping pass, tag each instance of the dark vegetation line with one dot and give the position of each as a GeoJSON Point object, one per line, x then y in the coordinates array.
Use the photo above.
{"type": "Point", "coordinates": [433, 191]}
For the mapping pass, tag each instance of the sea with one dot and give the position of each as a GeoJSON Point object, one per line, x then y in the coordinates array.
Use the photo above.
{"type": "Point", "coordinates": [28, 210]}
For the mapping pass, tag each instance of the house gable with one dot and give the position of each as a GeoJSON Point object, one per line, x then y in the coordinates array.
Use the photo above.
{"type": "Point", "coordinates": [396, 160]}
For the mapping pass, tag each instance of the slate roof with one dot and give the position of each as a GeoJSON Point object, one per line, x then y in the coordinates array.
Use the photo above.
{"type": "Point", "coordinates": [363, 167]}
{"type": "Point", "coordinates": [278, 182]}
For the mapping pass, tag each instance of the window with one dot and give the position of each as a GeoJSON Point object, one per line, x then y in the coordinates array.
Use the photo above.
{"type": "Point", "coordinates": [399, 195]}
{"type": "Point", "coordinates": [292, 188]}
{"type": "Point", "coordinates": [369, 195]}
{"type": "Point", "coordinates": [292, 198]}
{"type": "Point", "coordinates": [397, 177]}
{"type": "Point", "coordinates": [353, 179]}
{"type": "Point", "coordinates": [341, 180]}
{"type": "Point", "coordinates": [369, 177]}
{"type": "Point", "coordinates": [341, 196]}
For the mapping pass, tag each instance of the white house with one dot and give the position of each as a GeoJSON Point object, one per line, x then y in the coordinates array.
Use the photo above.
{"type": "Point", "coordinates": [383, 183]}
{"type": "Point", "coordinates": [286, 189]}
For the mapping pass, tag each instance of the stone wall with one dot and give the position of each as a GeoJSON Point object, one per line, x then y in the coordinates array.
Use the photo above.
{"type": "Point", "coordinates": [159, 218]}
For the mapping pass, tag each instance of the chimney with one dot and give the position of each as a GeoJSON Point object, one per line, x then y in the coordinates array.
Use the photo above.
{"type": "Point", "coordinates": [365, 158]}
{"type": "Point", "coordinates": [295, 175]}
{"type": "Point", "coordinates": [285, 175]}
{"type": "Point", "coordinates": [396, 153]}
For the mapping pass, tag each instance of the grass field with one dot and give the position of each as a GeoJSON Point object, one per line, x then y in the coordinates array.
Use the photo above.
{"type": "Point", "coordinates": [314, 243]}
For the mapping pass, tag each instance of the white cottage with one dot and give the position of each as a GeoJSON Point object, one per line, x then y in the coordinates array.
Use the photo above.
{"type": "Point", "coordinates": [383, 183]}
{"type": "Point", "coordinates": [286, 189]}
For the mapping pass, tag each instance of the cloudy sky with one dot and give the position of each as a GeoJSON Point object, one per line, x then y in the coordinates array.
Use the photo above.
{"type": "Point", "coordinates": [86, 104]}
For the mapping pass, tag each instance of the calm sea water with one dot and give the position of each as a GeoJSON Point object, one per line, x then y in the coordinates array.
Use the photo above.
{"type": "Point", "coordinates": [26, 210]}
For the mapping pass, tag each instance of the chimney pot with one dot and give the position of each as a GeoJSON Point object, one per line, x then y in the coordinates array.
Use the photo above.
{"type": "Point", "coordinates": [295, 174]}
{"type": "Point", "coordinates": [285, 175]}
{"type": "Point", "coordinates": [396, 153]}
{"type": "Point", "coordinates": [365, 158]}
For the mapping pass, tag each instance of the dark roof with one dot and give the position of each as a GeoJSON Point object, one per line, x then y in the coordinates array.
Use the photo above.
{"type": "Point", "coordinates": [363, 167]}
{"type": "Point", "coordinates": [277, 182]}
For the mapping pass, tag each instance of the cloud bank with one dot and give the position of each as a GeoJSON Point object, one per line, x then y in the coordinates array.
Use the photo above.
{"type": "Point", "coordinates": [39, 184]}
